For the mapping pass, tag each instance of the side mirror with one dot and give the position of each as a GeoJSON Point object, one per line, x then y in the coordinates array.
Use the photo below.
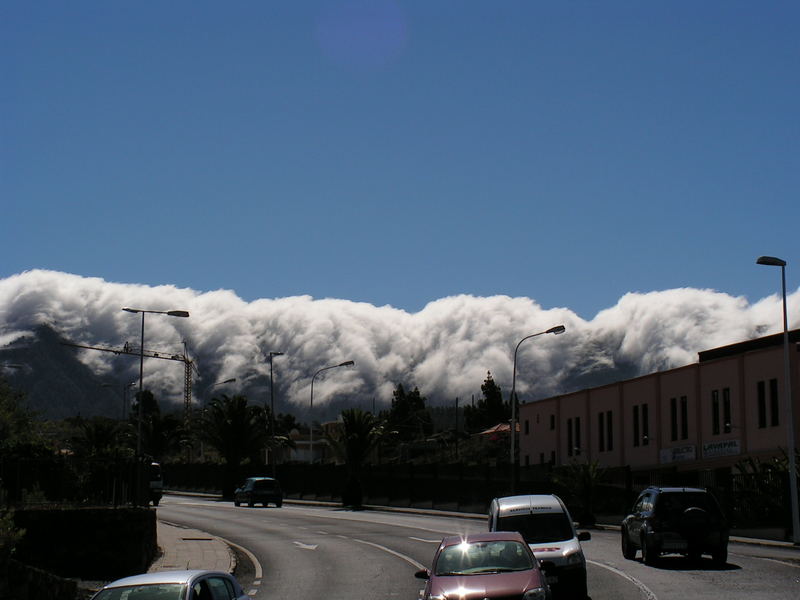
{"type": "Point", "coordinates": [584, 536]}
{"type": "Point", "coordinates": [423, 574]}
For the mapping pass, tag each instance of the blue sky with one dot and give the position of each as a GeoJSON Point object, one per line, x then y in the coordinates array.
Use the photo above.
{"type": "Point", "coordinates": [401, 152]}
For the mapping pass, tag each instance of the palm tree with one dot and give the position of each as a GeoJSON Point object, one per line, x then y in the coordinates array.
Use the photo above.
{"type": "Point", "coordinates": [352, 441]}
{"type": "Point", "coordinates": [237, 431]}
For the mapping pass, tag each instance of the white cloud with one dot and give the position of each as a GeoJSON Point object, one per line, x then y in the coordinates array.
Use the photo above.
{"type": "Point", "coordinates": [445, 349]}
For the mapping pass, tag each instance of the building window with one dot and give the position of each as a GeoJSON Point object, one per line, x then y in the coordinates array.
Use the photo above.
{"type": "Point", "coordinates": [684, 418]}
{"type": "Point", "coordinates": [645, 425]}
{"type": "Point", "coordinates": [726, 410]}
{"type": "Point", "coordinates": [601, 432]}
{"type": "Point", "coordinates": [552, 457]}
{"type": "Point", "coordinates": [773, 403]}
{"type": "Point", "coordinates": [569, 437]}
{"type": "Point", "coordinates": [761, 392]}
{"type": "Point", "coordinates": [527, 461]}
{"type": "Point", "coordinates": [527, 427]}
{"type": "Point", "coordinates": [552, 422]}
{"type": "Point", "coordinates": [609, 432]}
{"type": "Point", "coordinates": [641, 425]}
{"type": "Point", "coordinates": [673, 419]}
{"type": "Point", "coordinates": [541, 458]}
{"type": "Point", "coordinates": [715, 412]}
{"type": "Point", "coordinates": [574, 436]}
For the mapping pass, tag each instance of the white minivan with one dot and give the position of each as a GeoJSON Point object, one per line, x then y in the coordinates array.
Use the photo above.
{"type": "Point", "coordinates": [545, 523]}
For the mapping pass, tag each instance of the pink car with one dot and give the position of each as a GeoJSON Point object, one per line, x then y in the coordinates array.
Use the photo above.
{"type": "Point", "coordinates": [497, 564]}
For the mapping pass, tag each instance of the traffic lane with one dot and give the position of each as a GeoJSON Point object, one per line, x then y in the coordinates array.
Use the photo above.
{"type": "Point", "coordinates": [415, 537]}
{"type": "Point", "coordinates": [317, 554]}
{"type": "Point", "coordinates": [745, 576]}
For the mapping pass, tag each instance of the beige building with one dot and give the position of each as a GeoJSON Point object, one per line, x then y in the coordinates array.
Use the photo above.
{"type": "Point", "coordinates": [727, 406]}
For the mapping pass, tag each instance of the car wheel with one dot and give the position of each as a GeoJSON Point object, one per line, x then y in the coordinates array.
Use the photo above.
{"type": "Point", "coordinates": [278, 504]}
{"type": "Point", "coordinates": [236, 503]}
{"type": "Point", "coordinates": [628, 551]}
{"type": "Point", "coordinates": [250, 503]}
{"type": "Point", "coordinates": [720, 556]}
{"type": "Point", "coordinates": [649, 554]}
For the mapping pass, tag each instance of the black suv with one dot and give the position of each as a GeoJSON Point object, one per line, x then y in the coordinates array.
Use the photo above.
{"type": "Point", "coordinates": [687, 521]}
{"type": "Point", "coordinates": [259, 490]}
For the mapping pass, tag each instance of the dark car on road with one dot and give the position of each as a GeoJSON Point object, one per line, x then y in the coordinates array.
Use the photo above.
{"type": "Point", "coordinates": [482, 566]}
{"type": "Point", "coordinates": [667, 520]}
{"type": "Point", "coordinates": [259, 490]}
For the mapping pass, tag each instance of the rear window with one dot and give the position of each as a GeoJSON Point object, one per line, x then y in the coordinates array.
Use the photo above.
{"type": "Point", "coordinates": [672, 504]}
{"type": "Point", "coordinates": [264, 485]}
{"type": "Point", "coordinates": [538, 528]}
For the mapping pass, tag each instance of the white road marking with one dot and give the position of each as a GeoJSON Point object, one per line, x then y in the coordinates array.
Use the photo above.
{"type": "Point", "coordinates": [416, 539]}
{"type": "Point", "coordinates": [305, 546]}
{"type": "Point", "coordinates": [648, 593]}
{"type": "Point", "coordinates": [408, 559]}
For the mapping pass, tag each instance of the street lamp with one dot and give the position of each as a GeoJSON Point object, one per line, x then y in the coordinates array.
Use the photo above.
{"type": "Point", "coordinates": [170, 313]}
{"type": "Point", "coordinates": [772, 261]}
{"type": "Point", "coordinates": [558, 329]}
{"type": "Point", "coordinates": [347, 363]}
{"type": "Point", "coordinates": [272, 411]}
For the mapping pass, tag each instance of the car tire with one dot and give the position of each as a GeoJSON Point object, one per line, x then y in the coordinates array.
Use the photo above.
{"type": "Point", "coordinates": [250, 503]}
{"type": "Point", "coordinates": [236, 503]}
{"type": "Point", "coordinates": [649, 554]}
{"type": "Point", "coordinates": [720, 556]}
{"type": "Point", "coordinates": [628, 551]}
{"type": "Point", "coordinates": [278, 504]}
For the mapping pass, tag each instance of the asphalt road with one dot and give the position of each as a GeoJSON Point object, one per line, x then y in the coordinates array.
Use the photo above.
{"type": "Point", "coordinates": [325, 553]}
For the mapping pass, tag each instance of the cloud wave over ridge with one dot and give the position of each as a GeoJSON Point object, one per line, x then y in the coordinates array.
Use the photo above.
{"type": "Point", "coordinates": [445, 349]}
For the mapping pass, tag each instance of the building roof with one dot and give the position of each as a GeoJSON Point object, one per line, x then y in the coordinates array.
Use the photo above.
{"type": "Point", "coordinates": [748, 346]}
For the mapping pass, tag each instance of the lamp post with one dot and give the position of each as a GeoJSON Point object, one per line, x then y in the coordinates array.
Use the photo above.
{"type": "Point", "coordinates": [558, 329]}
{"type": "Point", "coordinates": [772, 261]}
{"type": "Point", "coordinates": [272, 412]}
{"type": "Point", "coordinates": [347, 363]}
{"type": "Point", "coordinates": [170, 313]}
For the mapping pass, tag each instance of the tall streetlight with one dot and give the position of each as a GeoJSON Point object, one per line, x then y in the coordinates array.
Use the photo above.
{"type": "Point", "coordinates": [272, 412]}
{"type": "Point", "coordinates": [558, 329]}
{"type": "Point", "coordinates": [347, 363]}
{"type": "Point", "coordinates": [143, 312]}
{"type": "Point", "coordinates": [772, 261]}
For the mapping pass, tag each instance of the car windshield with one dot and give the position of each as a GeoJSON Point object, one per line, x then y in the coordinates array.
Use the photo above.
{"type": "Point", "coordinates": [482, 557]}
{"type": "Point", "coordinates": [538, 528]}
{"type": "Point", "coordinates": [158, 591]}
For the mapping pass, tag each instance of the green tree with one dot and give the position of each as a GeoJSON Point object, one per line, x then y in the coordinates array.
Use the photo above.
{"type": "Point", "coordinates": [490, 410]}
{"type": "Point", "coordinates": [408, 418]}
{"type": "Point", "coordinates": [237, 431]}
{"type": "Point", "coordinates": [351, 441]}
{"type": "Point", "coordinates": [583, 480]}
{"type": "Point", "coordinates": [20, 435]}
{"type": "Point", "coordinates": [99, 437]}
{"type": "Point", "coordinates": [162, 435]}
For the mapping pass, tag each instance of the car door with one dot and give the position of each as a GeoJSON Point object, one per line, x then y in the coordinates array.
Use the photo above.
{"type": "Point", "coordinates": [635, 520]}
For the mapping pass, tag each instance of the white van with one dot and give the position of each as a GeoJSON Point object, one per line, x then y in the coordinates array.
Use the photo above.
{"type": "Point", "coordinates": [545, 523]}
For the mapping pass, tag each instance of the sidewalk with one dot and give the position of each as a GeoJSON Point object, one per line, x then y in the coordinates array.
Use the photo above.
{"type": "Point", "coordinates": [184, 548]}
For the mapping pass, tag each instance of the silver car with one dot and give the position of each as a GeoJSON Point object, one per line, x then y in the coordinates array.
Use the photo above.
{"type": "Point", "coordinates": [174, 585]}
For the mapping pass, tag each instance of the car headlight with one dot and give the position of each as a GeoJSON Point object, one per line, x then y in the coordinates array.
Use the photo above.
{"type": "Point", "coordinates": [576, 558]}
{"type": "Point", "coordinates": [535, 594]}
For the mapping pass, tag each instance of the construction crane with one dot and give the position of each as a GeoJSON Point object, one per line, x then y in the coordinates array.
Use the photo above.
{"type": "Point", "coordinates": [189, 366]}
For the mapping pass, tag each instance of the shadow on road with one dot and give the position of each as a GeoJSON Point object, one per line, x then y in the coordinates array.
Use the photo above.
{"type": "Point", "coordinates": [683, 563]}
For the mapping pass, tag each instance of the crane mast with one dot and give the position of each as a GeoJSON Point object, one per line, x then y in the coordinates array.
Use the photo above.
{"type": "Point", "coordinates": [189, 366]}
